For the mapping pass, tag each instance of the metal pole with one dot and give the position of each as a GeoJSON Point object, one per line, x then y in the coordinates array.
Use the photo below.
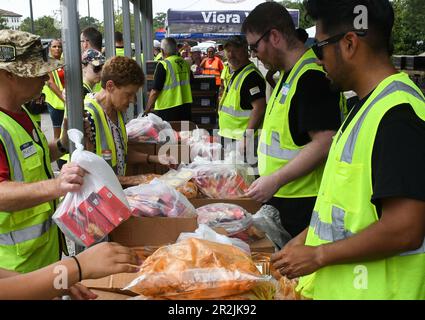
{"type": "Point", "coordinates": [88, 8]}
{"type": "Point", "coordinates": [32, 18]}
{"type": "Point", "coordinates": [108, 13]}
{"type": "Point", "coordinates": [127, 43]}
{"type": "Point", "coordinates": [149, 30]}
{"type": "Point", "coordinates": [138, 52]}
{"type": "Point", "coordinates": [73, 75]}
{"type": "Point", "coordinates": [126, 27]}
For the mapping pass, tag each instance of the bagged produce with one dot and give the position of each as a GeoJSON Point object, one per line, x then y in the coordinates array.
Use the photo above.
{"type": "Point", "coordinates": [157, 199]}
{"type": "Point", "coordinates": [220, 179]}
{"type": "Point", "coordinates": [206, 150]}
{"type": "Point", "coordinates": [89, 215]}
{"type": "Point", "coordinates": [151, 129]}
{"type": "Point", "coordinates": [196, 269]}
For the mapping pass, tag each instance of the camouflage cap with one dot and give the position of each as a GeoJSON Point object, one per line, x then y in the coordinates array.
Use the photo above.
{"type": "Point", "coordinates": [22, 54]}
{"type": "Point", "coordinates": [93, 57]}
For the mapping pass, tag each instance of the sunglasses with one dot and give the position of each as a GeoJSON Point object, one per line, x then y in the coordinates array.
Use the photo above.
{"type": "Point", "coordinates": [318, 46]}
{"type": "Point", "coordinates": [8, 53]}
{"type": "Point", "coordinates": [254, 47]}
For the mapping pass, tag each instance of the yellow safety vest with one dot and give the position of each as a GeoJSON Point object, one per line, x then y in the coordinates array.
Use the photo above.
{"type": "Point", "coordinates": [233, 120]}
{"type": "Point", "coordinates": [344, 208]}
{"type": "Point", "coordinates": [158, 57]}
{"type": "Point", "coordinates": [28, 238]}
{"type": "Point", "coordinates": [177, 90]}
{"type": "Point", "coordinates": [105, 144]}
{"type": "Point", "coordinates": [51, 97]}
{"type": "Point", "coordinates": [277, 147]}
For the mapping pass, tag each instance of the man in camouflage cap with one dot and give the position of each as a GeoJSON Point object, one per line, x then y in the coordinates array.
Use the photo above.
{"type": "Point", "coordinates": [29, 240]}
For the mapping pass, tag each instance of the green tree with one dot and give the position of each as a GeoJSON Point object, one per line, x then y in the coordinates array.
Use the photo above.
{"type": "Point", "coordinates": [305, 21]}
{"type": "Point", "coordinates": [159, 20]}
{"type": "Point", "coordinates": [45, 27]}
{"type": "Point", "coordinates": [89, 22]}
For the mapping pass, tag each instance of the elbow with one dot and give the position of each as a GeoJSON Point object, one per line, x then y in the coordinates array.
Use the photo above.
{"type": "Point", "coordinates": [414, 243]}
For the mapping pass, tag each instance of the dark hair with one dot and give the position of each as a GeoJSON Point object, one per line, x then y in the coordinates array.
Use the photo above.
{"type": "Point", "coordinates": [122, 71]}
{"type": "Point", "coordinates": [94, 37]}
{"type": "Point", "coordinates": [339, 16]}
{"type": "Point", "coordinates": [270, 15]}
{"type": "Point", "coordinates": [302, 35]}
{"type": "Point", "coordinates": [118, 36]}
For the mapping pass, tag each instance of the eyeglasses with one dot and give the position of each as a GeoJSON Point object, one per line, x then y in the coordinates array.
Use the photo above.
{"type": "Point", "coordinates": [254, 47]}
{"type": "Point", "coordinates": [318, 46]}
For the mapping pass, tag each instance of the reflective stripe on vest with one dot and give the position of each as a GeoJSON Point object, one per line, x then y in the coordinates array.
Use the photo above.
{"type": "Point", "coordinates": [30, 233]}
{"type": "Point", "coordinates": [99, 123]}
{"type": "Point", "coordinates": [335, 231]}
{"type": "Point", "coordinates": [295, 76]}
{"type": "Point", "coordinates": [231, 109]}
{"type": "Point", "coordinates": [274, 150]}
{"type": "Point", "coordinates": [18, 175]}
{"type": "Point", "coordinates": [175, 83]}
{"type": "Point", "coordinates": [235, 113]}
{"type": "Point", "coordinates": [347, 155]}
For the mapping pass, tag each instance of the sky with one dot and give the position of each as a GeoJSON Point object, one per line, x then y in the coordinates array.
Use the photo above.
{"type": "Point", "coordinates": [51, 7]}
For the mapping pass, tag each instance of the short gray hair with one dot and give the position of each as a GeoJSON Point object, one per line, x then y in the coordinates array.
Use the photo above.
{"type": "Point", "coordinates": [169, 45]}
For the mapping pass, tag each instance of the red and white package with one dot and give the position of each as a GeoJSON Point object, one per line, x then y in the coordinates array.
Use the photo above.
{"type": "Point", "coordinates": [157, 199]}
{"type": "Point", "coordinates": [151, 129]}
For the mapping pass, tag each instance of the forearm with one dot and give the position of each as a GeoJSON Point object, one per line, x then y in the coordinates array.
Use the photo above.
{"type": "Point", "coordinates": [136, 157]}
{"type": "Point", "coordinates": [153, 96]}
{"type": "Point", "coordinates": [7, 273]}
{"type": "Point", "coordinates": [16, 196]}
{"type": "Point", "coordinates": [42, 282]}
{"type": "Point", "coordinates": [311, 156]}
{"type": "Point", "coordinates": [52, 85]}
{"type": "Point", "coordinates": [55, 154]}
{"type": "Point", "coordinates": [257, 114]}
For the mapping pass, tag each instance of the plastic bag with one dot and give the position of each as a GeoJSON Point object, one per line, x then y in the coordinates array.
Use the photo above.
{"type": "Point", "coordinates": [234, 219]}
{"type": "Point", "coordinates": [207, 151]}
{"type": "Point", "coordinates": [220, 179]}
{"type": "Point", "coordinates": [92, 213]}
{"type": "Point", "coordinates": [206, 233]}
{"type": "Point", "coordinates": [151, 129]}
{"type": "Point", "coordinates": [268, 220]}
{"type": "Point", "coordinates": [196, 269]}
{"type": "Point", "coordinates": [157, 199]}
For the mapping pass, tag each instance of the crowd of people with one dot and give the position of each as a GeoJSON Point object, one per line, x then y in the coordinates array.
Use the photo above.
{"type": "Point", "coordinates": [347, 183]}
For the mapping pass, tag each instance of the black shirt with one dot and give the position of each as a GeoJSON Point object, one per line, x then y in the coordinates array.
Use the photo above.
{"type": "Point", "coordinates": [314, 107]}
{"type": "Point", "coordinates": [398, 158]}
{"type": "Point", "coordinates": [252, 89]}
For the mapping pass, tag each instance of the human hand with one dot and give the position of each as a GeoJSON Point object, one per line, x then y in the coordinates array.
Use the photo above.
{"type": "Point", "coordinates": [263, 189]}
{"type": "Point", "coordinates": [64, 133]}
{"type": "Point", "coordinates": [70, 179]}
{"type": "Point", "coordinates": [80, 292]}
{"type": "Point", "coordinates": [168, 161]}
{"type": "Point", "coordinates": [297, 260]}
{"type": "Point", "coordinates": [107, 258]}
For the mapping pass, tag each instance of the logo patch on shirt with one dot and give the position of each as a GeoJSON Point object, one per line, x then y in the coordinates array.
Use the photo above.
{"type": "Point", "coordinates": [254, 91]}
{"type": "Point", "coordinates": [28, 149]}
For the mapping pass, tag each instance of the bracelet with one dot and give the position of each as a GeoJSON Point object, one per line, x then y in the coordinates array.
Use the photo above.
{"type": "Point", "coordinates": [79, 268]}
{"type": "Point", "coordinates": [60, 146]}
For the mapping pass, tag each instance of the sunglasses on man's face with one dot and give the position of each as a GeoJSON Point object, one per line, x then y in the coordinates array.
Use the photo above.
{"type": "Point", "coordinates": [254, 47]}
{"type": "Point", "coordinates": [318, 46]}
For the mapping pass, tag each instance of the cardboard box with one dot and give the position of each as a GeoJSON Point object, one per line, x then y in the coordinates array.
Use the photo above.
{"type": "Point", "coordinates": [157, 231]}
{"type": "Point", "coordinates": [249, 205]}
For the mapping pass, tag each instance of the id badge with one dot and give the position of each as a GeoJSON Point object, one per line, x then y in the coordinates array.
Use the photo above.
{"type": "Point", "coordinates": [28, 149]}
{"type": "Point", "coordinates": [285, 89]}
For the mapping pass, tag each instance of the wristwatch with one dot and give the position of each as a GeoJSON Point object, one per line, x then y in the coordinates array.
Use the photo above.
{"type": "Point", "coordinates": [60, 146]}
